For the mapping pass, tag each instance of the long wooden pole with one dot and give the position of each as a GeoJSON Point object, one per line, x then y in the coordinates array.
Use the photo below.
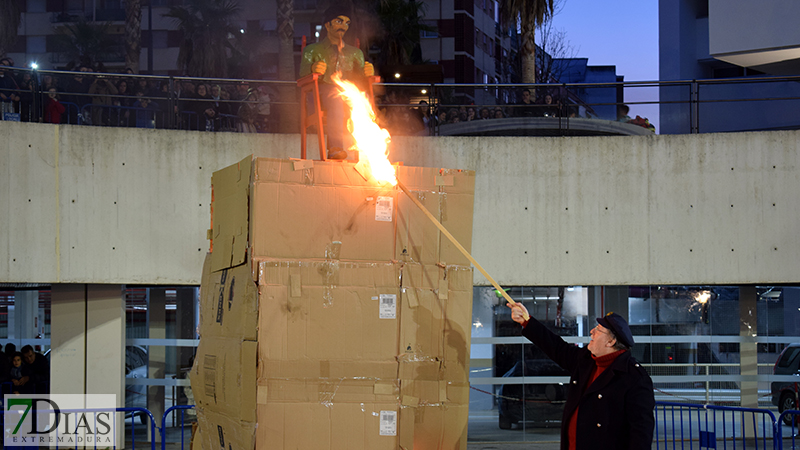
{"type": "Point", "coordinates": [458, 245]}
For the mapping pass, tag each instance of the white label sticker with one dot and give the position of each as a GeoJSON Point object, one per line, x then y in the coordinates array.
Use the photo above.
{"type": "Point", "coordinates": [388, 423]}
{"type": "Point", "coordinates": [388, 306]}
{"type": "Point", "coordinates": [384, 209]}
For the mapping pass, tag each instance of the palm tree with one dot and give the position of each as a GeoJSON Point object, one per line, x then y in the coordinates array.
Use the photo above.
{"type": "Point", "coordinates": [133, 33]}
{"type": "Point", "coordinates": [530, 14]}
{"type": "Point", "coordinates": [286, 68]}
{"type": "Point", "coordinates": [87, 43]}
{"type": "Point", "coordinates": [207, 27]}
{"type": "Point", "coordinates": [10, 17]}
{"type": "Point", "coordinates": [402, 25]}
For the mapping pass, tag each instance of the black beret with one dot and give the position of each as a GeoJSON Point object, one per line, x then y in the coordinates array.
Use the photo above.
{"type": "Point", "coordinates": [335, 11]}
{"type": "Point", "coordinates": [619, 326]}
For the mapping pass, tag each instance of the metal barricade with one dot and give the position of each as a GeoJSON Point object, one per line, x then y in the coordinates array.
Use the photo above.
{"type": "Point", "coordinates": [690, 426]}
{"type": "Point", "coordinates": [790, 420]}
{"type": "Point", "coordinates": [181, 424]}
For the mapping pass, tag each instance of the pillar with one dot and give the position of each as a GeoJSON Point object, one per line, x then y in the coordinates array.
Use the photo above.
{"type": "Point", "coordinates": [25, 321]}
{"type": "Point", "coordinates": [87, 340]}
{"type": "Point", "coordinates": [156, 354]}
{"type": "Point", "coordinates": [748, 349]}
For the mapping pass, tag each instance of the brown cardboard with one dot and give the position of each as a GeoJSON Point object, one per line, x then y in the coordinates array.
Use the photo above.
{"type": "Point", "coordinates": [366, 221]}
{"type": "Point", "coordinates": [230, 189]}
{"type": "Point", "coordinates": [228, 303]}
{"type": "Point", "coordinates": [352, 329]}
{"type": "Point", "coordinates": [224, 377]}
{"type": "Point", "coordinates": [335, 316]}
{"type": "Point", "coordinates": [218, 431]}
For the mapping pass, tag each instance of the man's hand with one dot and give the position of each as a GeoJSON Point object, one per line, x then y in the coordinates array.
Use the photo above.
{"type": "Point", "coordinates": [518, 313]}
{"type": "Point", "coordinates": [319, 67]}
{"type": "Point", "coordinates": [369, 69]}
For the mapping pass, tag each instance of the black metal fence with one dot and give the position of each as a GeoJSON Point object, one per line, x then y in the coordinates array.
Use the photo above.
{"type": "Point", "coordinates": [257, 106]}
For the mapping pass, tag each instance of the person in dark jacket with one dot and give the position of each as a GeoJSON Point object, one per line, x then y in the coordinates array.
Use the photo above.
{"type": "Point", "coordinates": [610, 402]}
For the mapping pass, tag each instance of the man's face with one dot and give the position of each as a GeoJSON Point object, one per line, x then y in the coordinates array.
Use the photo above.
{"type": "Point", "coordinates": [29, 357]}
{"type": "Point", "coordinates": [601, 337]}
{"type": "Point", "coordinates": [526, 96]}
{"type": "Point", "coordinates": [337, 27]}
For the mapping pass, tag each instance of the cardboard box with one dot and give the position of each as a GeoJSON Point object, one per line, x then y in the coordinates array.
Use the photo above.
{"type": "Point", "coordinates": [334, 314]}
{"type": "Point", "coordinates": [327, 210]}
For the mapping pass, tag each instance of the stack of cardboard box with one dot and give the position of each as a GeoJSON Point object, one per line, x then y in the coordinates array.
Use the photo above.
{"type": "Point", "coordinates": [334, 314]}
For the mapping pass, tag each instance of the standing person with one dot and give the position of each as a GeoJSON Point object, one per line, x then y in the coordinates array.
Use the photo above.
{"type": "Point", "coordinates": [40, 370]}
{"type": "Point", "coordinates": [102, 89]}
{"type": "Point", "coordinates": [610, 402]}
{"type": "Point", "coordinates": [53, 109]}
{"type": "Point", "coordinates": [329, 56]}
{"type": "Point", "coordinates": [526, 107]}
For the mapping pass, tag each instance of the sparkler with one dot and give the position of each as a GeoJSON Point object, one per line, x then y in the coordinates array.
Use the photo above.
{"type": "Point", "coordinates": [372, 142]}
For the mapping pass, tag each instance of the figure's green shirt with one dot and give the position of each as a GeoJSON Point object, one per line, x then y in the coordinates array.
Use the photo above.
{"type": "Point", "coordinates": [350, 62]}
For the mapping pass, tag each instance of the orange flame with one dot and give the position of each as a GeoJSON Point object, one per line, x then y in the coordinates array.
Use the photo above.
{"type": "Point", "coordinates": [371, 140]}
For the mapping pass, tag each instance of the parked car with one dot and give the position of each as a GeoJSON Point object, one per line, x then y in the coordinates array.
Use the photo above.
{"type": "Point", "coordinates": [538, 404]}
{"type": "Point", "coordinates": [784, 394]}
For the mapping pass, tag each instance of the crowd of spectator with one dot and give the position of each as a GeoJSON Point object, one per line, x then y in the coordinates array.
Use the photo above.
{"type": "Point", "coordinates": [91, 96]}
{"type": "Point", "coordinates": [23, 372]}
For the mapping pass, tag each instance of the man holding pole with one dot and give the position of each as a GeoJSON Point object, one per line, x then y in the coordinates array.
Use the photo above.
{"type": "Point", "coordinates": [610, 402]}
{"type": "Point", "coordinates": [327, 57]}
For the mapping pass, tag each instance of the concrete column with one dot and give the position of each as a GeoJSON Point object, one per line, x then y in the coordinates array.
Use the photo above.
{"type": "Point", "coordinates": [156, 354]}
{"type": "Point", "coordinates": [87, 338]}
{"type": "Point", "coordinates": [748, 349]}
{"type": "Point", "coordinates": [23, 318]}
{"type": "Point", "coordinates": [68, 339]}
{"type": "Point", "coordinates": [105, 345]}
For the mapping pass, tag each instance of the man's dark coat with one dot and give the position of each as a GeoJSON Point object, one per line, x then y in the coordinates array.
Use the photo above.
{"type": "Point", "coordinates": [616, 411]}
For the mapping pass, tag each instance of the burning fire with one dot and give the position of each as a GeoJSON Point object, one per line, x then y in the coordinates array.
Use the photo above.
{"type": "Point", "coordinates": [371, 140]}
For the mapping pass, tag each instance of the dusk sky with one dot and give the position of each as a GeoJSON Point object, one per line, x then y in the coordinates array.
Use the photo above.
{"type": "Point", "coordinates": [623, 33]}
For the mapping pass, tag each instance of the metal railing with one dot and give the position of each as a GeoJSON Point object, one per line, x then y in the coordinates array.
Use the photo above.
{"type": "Point", "coordinates": [681, 107]}
{"type": "Point", "coordinates": [684, 425]}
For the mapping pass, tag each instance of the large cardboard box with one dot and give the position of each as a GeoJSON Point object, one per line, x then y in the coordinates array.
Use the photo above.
{"type": "Point", "coordinates": [327, 210]}
{"type": "Point", "coordinates": [333, 315]}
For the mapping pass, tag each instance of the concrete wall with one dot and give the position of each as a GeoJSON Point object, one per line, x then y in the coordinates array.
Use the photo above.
{"type": "Point", "coordinates": [113, 205]}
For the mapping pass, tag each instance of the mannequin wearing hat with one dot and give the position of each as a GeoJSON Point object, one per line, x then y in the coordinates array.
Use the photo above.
{"type": "Point", "coordinates": [610, 400]}
{"type": "Point", "coordinates": [327, 57]}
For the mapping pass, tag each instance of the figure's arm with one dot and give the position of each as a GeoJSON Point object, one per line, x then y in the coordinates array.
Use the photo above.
{"type": "Point", "coordinates": [312, 61]}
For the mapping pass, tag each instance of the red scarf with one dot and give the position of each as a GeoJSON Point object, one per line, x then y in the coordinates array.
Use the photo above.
{"type": "Point", "coordinates": [601, 364]}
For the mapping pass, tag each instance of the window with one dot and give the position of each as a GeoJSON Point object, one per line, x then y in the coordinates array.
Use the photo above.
{"type": "Point", "coordinates": [37, 44]}
{"type": "Point", "coordinates": [160, 39]}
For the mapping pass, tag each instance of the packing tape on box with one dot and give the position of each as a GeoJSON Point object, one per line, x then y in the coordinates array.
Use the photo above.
{"type": "Point", "coordinates": [445, 180]}
{"type": "Point", "coordinates": [409, 401]}
{"type": "Point", "coordinates": [383, 389]}
{"type": "Point", "coordinates": [410, 294]}
{"type": "Point", "coordinates": [301, 164]}
{"type": "Point", "coordinates": [262, 394]}
{"type": "Point", "coordinates": [443, 288]}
